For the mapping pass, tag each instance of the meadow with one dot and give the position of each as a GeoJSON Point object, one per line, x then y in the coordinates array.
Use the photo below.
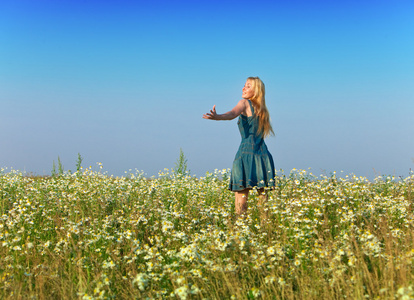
{"type": "Point", "coordinates": [88, 235]}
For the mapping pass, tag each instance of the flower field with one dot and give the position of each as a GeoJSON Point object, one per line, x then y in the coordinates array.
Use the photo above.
{"type": "Point", "coordinates": [88, 235]}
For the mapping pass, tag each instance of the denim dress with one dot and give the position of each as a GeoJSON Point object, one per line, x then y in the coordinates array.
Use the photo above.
{"type": "Point", "coordinates": [253, 165]}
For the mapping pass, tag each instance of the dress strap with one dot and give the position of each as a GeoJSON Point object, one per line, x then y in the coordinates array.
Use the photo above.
{"type": "Point", "coordinates": [251, 106]}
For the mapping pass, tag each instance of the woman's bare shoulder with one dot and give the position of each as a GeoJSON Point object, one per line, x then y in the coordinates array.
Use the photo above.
{"type": "Point", "coordinates": [244, 104]}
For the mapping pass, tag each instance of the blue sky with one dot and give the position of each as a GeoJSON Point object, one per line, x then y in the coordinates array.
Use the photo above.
{"type": "Point", "coordinates": [125, 83]}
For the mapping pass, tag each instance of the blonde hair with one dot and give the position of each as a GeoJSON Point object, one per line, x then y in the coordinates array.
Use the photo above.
{"type": "Point", "coordinates": [265, 128]}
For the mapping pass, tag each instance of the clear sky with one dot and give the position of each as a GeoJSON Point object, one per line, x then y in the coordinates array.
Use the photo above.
{"type": "Point", "coordinates": [125, 83]}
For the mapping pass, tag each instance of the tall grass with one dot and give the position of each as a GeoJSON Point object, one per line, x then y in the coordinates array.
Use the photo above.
{"type": "Point", "coordinates": [174, 237]}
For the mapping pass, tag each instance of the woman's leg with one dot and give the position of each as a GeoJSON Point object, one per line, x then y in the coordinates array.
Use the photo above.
{"type": "Point", "coordinates": [241, 201]}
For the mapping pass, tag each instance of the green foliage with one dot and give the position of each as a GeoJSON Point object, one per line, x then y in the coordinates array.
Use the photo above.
{"type": "Point", "coordinates": [54, 169]}
{"type": "Point", "coordinates": [181, 164]}
{"type": "Point", "coordinates": [79, 163]}
{"type": "Point", "coordinates": [60, 167]}
{"type": "Point", "coordinates": [176, 237]}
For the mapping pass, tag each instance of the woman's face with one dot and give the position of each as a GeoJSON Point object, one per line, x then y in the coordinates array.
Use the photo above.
{"type": "Point", "coordinates": [248, 91]}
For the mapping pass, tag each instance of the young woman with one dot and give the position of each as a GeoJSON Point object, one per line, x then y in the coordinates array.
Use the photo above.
{"type": "Point", "coordinates": [253, 165]}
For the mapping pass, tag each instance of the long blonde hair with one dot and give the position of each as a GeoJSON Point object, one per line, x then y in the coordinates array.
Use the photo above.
{"type": "Point", "coordinates": [265, 128]}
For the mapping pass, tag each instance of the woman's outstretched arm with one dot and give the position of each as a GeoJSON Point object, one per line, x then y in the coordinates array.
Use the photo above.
{"type": "Point", "coordinates": [230, 115]}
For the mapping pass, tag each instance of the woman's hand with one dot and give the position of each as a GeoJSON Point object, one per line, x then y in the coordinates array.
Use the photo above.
{"type": "Point", "coordinates": [212, 115]}
{"type": "Point", "coordinates": [230, 115]}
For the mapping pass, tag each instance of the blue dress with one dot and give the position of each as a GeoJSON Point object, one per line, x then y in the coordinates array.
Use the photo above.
{"type": "Point", "coordinates": [253, 165]}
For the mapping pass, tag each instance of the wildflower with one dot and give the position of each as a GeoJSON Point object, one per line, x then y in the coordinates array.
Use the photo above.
{"type": "Point", "coordinates": [242, 244]}
{"type": "Point", "coordinates": [141, 280]}
{"type": "Point", "coordinates": [351, 261]}
{"type": "Point", "coordinates": [197, 273]}
{"type": "Point", "coordinates": [166, 226]}
{"type": "Point", "coordinates": [194, 289]}
{"type": "Point", "coordinates": [255, 292]}
{"type": "Point", "coordinates": [108, 264]}
{"type": "Point", "coordinates": [406, 293]}
{"type": "Point", "coordinates": [106, 281]}
{"type": "Point", "coordinates": [182, 292]}
{"type": "Point", "coordinates": [270, 279]}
